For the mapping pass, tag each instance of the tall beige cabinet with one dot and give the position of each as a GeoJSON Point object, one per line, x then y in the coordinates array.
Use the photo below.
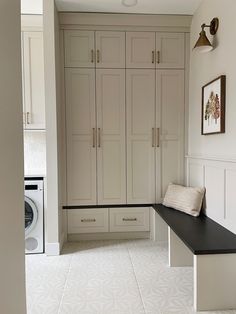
{"type": "Point", "coordinates": [125, 116]}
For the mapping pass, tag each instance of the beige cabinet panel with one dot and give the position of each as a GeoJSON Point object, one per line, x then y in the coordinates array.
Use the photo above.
{"type": "Point", "coordinates": [110, 92]}
{"type": "Point", "coordinates": [88, 220]}
{"type": "Point", "coordinates": [140, 97]}
{"type": "Point", "coordinates": [79, 48]}
{"type": "Point", "coordinates": [129, 219]}
{"type": "Point", "coordinates": [110, 49]}
{"type": "Point", "coordinates": [170, 50]}
{"type": "Point", "coordinates": [33, 81]}
{"type": "Point", "coordinates": [140, 50]}
{"type": "Point", "coordinates": [170, 119]}
{"type": "Point", "coordinates": [81, 124]}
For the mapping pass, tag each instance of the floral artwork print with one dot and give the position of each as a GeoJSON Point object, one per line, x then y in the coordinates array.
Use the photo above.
{"type": "Point", "coordinates": [213, 106]}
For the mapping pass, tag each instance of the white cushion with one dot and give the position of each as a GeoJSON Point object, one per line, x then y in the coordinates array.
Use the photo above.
{"type": "Point", "coordinates": [185, 199]}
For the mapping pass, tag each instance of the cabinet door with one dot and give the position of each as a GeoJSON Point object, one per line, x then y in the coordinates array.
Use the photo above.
{"type": "Point", "coordinates": [110, 91]}
{"type": "Point", "coordinates": [140, 50]}
{"type": "Point", "coordinates": [140, 99]}
{"type": "Point", "coordinates": [110, 49]}
{"type": "Point", "coordinates": [79, 49]}
{"type": "Point", "coordinates": [170, 50]}
{"type": "Point", "coordinates": [81, 146]}
{"type": "Point", "coordinates": [170, 120]}
{"type": "Point", "coordinates": [33, 82]}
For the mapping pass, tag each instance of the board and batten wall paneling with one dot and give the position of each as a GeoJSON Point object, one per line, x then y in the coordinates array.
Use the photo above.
{"type": "Point", "coordinates": [219, 179]}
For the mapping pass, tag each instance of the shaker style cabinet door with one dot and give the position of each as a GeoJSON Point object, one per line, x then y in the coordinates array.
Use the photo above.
{"type": "Point", "coordinates": [81, 141]}
{"type": "Point", "coordinates": [170, 50]}
{"type": "Point", "coordinates": [33, 81]}
{"type": "Point", "coordinates": [111, 167]}
{"type": "Point", "coordinates": [170, 101]}
{"type": "Point", "coordinates": [140, 50]}
{"type": "Point", "coordinates": [79, 48]}
{"type": "Point", "coordinates": [110, 49]}
{"type": "Point", "coordinates": [140, 97]}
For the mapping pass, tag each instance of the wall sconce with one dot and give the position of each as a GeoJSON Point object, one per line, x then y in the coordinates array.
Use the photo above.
{"type": "Point", "coordinates": [203, 44]}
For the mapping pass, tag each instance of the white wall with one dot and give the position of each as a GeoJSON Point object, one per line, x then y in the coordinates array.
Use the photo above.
{"type": "Point", "coordinates": [12, 270]}
{"type": "Point", "coordinates": [35, 153]}
{"type": "Point", "coordinates": [206, 67]}
{"type": "Point", "coordinates": [212, 161]}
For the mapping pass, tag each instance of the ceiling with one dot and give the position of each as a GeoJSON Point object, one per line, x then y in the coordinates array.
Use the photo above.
{"type": "Point", "coordinates": [143, 6]}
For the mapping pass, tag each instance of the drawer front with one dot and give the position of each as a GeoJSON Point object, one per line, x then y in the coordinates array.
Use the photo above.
{"type": "Point", "coordinates": [88, 220]}
{"type": "Point", "coordinates": [129, 219]}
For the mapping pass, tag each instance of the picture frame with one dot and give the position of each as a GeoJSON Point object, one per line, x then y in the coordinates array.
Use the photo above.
{"type": "Point", "coordinates": [213, 106]}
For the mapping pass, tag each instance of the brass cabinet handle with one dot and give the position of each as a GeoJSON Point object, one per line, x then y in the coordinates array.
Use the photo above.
{"type": "Point", "coordinates": [98, 56]}
{"type": "Point", "coordinates": [158, 56]}
{"type": "Point", "coordinates": [153, 56]}
{"type": "Point", "coordinates": [129, 219]}
{"type": "Point", "coordinates": [92, 56]}
{"type": "Point", "coordinates": [158, 137]}
{"type": "Point", "coordinates": [99, 137]}
{"type": "Point", "coordinates": [94, 137]}
{"type": "Point", "coordinates": [27, 118]}
{"type": "Point", "coordinates": [153, 137]}
{"type": "Point", "coordinates": [88, 220]}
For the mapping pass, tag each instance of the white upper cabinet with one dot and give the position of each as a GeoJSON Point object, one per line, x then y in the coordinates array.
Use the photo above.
{"type": "Point", "coordinates": [140, 97]}
{"type": "Point", "coordinates": [170, 50]}
{"type": "Point", "coordinates": [111, 167]}
{"type": "Point", "coordinates": [110, 49]}
{"type": "Point", "coordinates": [81, 141]}
{"type": "Point", "coordinates": [82, 50]}
{"type": "Point", "coordinates": [79, 49]}
{"type": "Point", "coordinates": [140, 50]}
{"type": "Point", "coordinates": [33, 80]}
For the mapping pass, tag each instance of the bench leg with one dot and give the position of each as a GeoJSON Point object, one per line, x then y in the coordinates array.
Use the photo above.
{"type": "Point", "coordinates": [214, 282]}
{"type": "Point", "coordinates": [179, 254]}
{"type": "Point", "coordinates": [160, 228]}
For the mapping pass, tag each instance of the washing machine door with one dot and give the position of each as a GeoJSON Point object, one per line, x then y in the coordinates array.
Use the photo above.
{"type": "Point", "coordinates": [31, 215]}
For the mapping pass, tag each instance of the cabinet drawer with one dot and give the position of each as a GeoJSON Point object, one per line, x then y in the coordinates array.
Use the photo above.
{"type": "Point", "coordinates": [129, 219]}
{"type": "Point", "coordinates": [88, 220]}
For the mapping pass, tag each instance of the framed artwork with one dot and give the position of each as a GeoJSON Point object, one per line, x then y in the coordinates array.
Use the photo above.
{"type": "Point", "coordinates": [213, 106]}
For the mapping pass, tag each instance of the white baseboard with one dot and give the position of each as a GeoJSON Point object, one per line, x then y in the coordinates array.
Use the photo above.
{"type": "Point", "coordinates": [52, 249]}
{"type": "Point", "coordinates": [108, 236]}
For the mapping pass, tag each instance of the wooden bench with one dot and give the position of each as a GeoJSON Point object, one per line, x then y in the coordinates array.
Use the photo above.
{"type": "Point", "coordinates": [208, 247]}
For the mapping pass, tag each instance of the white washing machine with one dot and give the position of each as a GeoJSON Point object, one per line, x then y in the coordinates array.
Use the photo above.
{"type": "Point", "coordinates": [34, 215]}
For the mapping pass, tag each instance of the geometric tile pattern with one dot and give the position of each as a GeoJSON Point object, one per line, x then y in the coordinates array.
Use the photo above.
{"type": "Point", "coordinates": [109, 277]}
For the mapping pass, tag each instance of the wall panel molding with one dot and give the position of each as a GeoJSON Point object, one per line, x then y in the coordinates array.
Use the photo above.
{"type": "Point", "coordinates": [218, 175]}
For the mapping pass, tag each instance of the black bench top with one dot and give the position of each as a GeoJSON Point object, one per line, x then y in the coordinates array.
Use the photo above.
{"type": "Point", "coordinates": [201, 235]}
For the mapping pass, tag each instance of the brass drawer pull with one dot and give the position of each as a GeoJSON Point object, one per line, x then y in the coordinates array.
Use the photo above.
{"type": "Point", "coordinates": [158, 137]}
{"type": "Point", "coordinates": [129, 219]}
{"type": "Point", "coordinates": [94, 137]}
{"type": "Point", "coordinates": [153, 137]}
{"type": "Point", "coordinates": [99, 137]}
{"type": "Point", "coordinates": [92, 56]}
{"type": "Point", "coordinates": [88, 220]}
{"type": "Point", "coordinates": [153, 56]}
{"type": "Point", "coordinates": [98, 56]}
{"type": "Point", "coordinates": [27, 118]}
{"type": "Point", "coordinates": [158, 56]}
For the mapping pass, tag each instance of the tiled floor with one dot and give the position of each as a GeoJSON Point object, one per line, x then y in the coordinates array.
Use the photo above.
{"type": "Point", "coordinates": [109, 277]}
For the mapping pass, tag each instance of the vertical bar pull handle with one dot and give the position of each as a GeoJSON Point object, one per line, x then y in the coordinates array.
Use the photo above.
{"type": "Point", "coordinates": [153, 137]}
{"type": "Point", "coordinates": [158, 56]}
{"type": "Point", "coordinates": [99, 137]}
{"type": "Point", "coordinates": [158, 137]}
{"type": "Point", "coordinates": [92, 56]}
{"type": "Point", "coordinates": [153, 56]}
{"type": "Point", "coordinates": [27, 118]}
{"type": "Point", "coordinates": [98, 56]}
{"type": "Point", "coordinates": [94, 137]}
